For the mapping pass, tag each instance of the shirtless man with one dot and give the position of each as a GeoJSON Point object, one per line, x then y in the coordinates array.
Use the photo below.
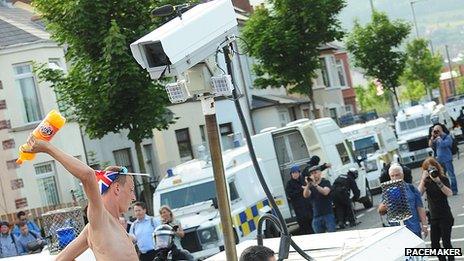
{"type": "Point", "coordinates": [103, 234]}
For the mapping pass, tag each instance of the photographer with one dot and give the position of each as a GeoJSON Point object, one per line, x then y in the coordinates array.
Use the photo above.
{"type": "Point", "coordinates": [437, 187]}
{"type": "Point", "coordinates": [318, 190]}
{"type": "Point", "coordinates": [167, 217]}
{"type": "Point", "coordinates": [443, 143]}
{"type": "Point", "coordinates": [300, 204]}
{"type": "Point", "coordinates": [414, 202]}
{"type": "Point", "coordinates": [29, 241]}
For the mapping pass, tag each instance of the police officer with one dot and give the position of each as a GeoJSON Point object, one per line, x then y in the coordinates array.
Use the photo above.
{"type": "Point", "coordinates": [300, 204]}
{"type": "Point", "coordinates": [341, 196]}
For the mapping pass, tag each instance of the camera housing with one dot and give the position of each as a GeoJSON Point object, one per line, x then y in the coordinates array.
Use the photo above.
{"type": "Point", "coordinates": [181, 43]}
{"type": "Point", "coordinates": [433, 172]}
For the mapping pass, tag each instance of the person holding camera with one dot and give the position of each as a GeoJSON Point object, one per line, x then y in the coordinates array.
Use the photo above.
{"type": "Point", "coordinates": [437, 187]}
{"type": "Point", "coordinates": [29, 242]}
{"type": "Point", "coordinates": [167, 217]}
{"type": "Point", "coordinates": [314, 161]}
{"type": "Point", "coordinates": [318, 190]}
{"type": "Point", "coordinates": [444, 143]}
{"type": "Point", "coordinates": [142, 230]}
{"type": "Point", "coordinates": [299, 203]}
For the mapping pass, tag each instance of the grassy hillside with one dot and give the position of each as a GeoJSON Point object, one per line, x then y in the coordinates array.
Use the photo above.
{"type": "Point", "coordinates": [441, 21]}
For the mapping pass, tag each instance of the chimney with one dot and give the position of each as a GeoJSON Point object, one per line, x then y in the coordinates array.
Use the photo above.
{"type": "Point", "coordinates": [243, 4]}
{"type": "Point", "coordinates": [461, 70]}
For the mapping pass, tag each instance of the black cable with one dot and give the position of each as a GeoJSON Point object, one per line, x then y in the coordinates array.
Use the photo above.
{"type": "Point", "coordinates": [251, 150]}
{"type": "Point", "coordinates": [275, 222]}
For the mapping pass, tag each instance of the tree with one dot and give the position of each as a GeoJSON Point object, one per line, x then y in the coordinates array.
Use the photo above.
{"type": "Point", "coordinates": [460, 88]}
{"type": "Point", "coordinates": [423, 66]}
{"type": "Point", "coordinates": [375, 48]}
{"type": "Point", "coordinates": [285, 41]}
{"type": "Point", "coordinates": [105, 90]}
{"type": "Point", "coordinates": [369, 99]}
{"type": "Point", "coordinates": [413, 91]}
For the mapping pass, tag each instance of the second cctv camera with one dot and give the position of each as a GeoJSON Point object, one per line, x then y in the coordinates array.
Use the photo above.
{"type": "Point", "coordinates": [181, 43]}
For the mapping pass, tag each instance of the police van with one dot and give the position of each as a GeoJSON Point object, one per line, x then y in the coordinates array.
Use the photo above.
{"type": "Point", "coordinates": [189, 188]}
{"type": "Point", "coordinates": [412, 128]}
{"type": "Point", "coordinates": [375, 142]}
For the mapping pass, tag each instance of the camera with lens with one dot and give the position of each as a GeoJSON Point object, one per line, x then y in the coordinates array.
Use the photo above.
{"type": "Point", "coordinates": [433, 172]}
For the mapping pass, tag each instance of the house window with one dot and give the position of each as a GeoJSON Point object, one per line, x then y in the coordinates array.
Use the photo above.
{"type": "Point", "coordinates": [325, 72]}
{"type": "Point", "coordinates": [341, 72]}
{"type": "Point", "coordinates": [46, 180]}
{"type": "Point", "coordinates": [284, 118]}
{"type": "Point", "coordinates": [225, 128]}
{"type": "Point", "coordinates": [306, 113]}
{"type": "Point", "coordinates": [124, 158]}
{"type": "Point", "coordinates": [184, 144]}
{"type": "Point", "coordinates": [149, 162]}
{"type": "Point", "coordinates": [227, 137]}
{"type": "Point", "coordinates": [333, 113]}
{"type": "Point", "coordinates": [25, 80]}
{"type": "Point", "coordinates": [349, 108]}
{"type": "Point", "coordinates": [203, 133]}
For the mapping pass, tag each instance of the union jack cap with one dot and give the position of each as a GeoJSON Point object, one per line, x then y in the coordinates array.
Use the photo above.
{"type": "Point", "coordinates": [105, 179]}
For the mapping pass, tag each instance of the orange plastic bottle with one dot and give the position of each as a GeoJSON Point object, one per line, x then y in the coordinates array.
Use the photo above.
{"type": "Point", "coordinates": [52, 123]}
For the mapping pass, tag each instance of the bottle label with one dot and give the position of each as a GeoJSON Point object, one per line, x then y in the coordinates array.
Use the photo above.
{"type": "Point", "coordinates": [46, 131]}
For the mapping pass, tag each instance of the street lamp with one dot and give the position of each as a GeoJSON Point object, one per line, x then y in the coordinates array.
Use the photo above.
{"type": "Point", "coordinates": [414, 16]}
{"type": "Point", "coordinates": [372, 6]}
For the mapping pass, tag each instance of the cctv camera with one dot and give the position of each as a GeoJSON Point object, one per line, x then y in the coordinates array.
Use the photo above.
{"type": "Point", "coordinates": [181, 43]}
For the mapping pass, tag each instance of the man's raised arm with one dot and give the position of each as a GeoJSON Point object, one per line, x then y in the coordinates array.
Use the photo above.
{"type": "Point", "coordinates": [79, 170]}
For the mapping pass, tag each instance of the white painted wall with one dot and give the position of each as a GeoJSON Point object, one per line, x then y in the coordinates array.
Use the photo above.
{"type": "Point", "coordinates": [68, 139]}
{"type": "Point", "coordinates": [191, 116]}
{"type": "Point", "coordinates": [265, 118]}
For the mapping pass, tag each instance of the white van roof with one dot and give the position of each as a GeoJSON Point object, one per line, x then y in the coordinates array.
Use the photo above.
{"type": "Point", "coordinates": [197, 170]}
{"type": "Point", "coordinates": [421, 109]}
{"type": "Point", "coordinates": [322, 124]}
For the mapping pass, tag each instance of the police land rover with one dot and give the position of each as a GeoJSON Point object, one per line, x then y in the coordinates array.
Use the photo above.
{"type": "Point", "coordinates": [189, 188]}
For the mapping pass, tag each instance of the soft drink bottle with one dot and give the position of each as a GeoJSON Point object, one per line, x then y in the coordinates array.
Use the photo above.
{"type": "Point", "coordinates": [52, 123]}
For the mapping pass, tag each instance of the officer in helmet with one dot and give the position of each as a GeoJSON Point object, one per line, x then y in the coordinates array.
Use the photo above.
{"type": "Point", "coordinates": [342, 188]}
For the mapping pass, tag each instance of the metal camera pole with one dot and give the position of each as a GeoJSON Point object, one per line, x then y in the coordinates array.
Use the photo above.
{"type": "Point", "coordinates": [209, 110]}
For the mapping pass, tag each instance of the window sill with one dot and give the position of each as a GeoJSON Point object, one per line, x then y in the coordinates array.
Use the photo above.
{"type": "Point", "coordinates": [25, 127]}
{"type": "Point", "coordinates": [333, 88]}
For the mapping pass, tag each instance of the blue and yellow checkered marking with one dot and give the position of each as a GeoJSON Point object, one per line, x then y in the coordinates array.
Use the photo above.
{"type": "Point", "coordinates": [247, 220]}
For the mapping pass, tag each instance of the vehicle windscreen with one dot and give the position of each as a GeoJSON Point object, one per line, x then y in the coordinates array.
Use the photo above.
{"type": "Point", "coordinates": [189, 195]}
{"type": "Point", "coordinates": [364, 146]}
